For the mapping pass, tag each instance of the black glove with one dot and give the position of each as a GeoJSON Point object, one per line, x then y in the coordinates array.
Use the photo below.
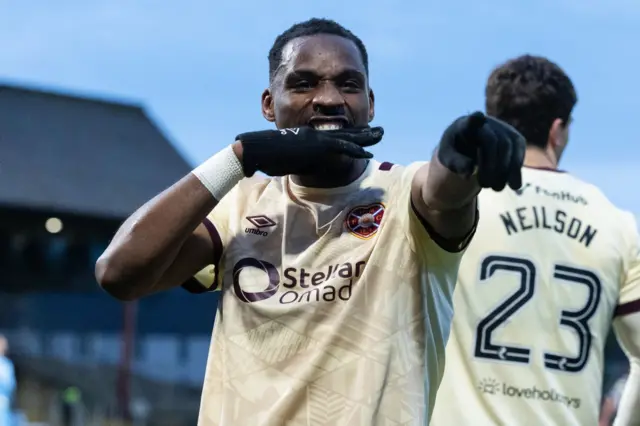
{"type": "Point", "coordinates": [488, 146]}
{"type": "Point", "coordinates": [303, 150]}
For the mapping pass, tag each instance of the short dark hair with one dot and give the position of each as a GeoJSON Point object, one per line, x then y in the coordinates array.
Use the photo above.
{"type": "Point", "coordinates": [311, 27]}
{"type": "Point", "coordinates": [530, 92]}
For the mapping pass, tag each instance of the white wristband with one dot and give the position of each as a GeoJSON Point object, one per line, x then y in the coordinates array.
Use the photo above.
{"type": "Point", "coordinates": [220, 173]}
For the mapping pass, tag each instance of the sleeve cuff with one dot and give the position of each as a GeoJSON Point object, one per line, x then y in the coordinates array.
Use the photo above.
{"type": "Point", "coordinates": [455, 245]}
{"type": "Point", "coordinates": [194, 285]}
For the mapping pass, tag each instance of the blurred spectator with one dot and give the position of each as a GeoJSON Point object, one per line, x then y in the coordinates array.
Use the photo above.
{"type": "Point", "coordinates": [71, 398]}
{"type": "Point", "coordinates": [611, 402]}
{"type": "Point", "coordinates": [7, 383]}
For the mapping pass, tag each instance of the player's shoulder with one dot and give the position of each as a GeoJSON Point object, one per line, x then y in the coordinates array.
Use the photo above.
{"type": "Point", "coordinates": [390, 167]}
{"type": "Point", "coordinates": [572, 187]}
{"type": "Point", "coordinates": [591, 190]}
{"type": "Point", "coordinates": [254, 185]}
{"type": "Point", "coordinates": [558, 179]}
{"type": "Point", "coordinates": [599, 200]}
{"type": "Point", "coordinates": [395, 179]}
{"type": "Point", "coordinates": [252, 189]}
{"type": "Point", "coordinates": [386, 171]}
{"type": "Point", "coordinates": [247, 192]}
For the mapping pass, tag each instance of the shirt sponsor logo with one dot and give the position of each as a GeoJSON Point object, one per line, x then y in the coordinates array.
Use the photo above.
{"type": "Point", "coordinates": [558, 195]}
{"type": "Point", "coordinates": [364, 221]}
{"type": "Point", "coordinates": [302, 285]}
{"type": "Point", "coordinates": [494, 388]}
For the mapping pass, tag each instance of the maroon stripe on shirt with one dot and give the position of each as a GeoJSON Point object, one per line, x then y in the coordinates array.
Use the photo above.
{"type": "Point", "coordinates": [627, 308]}
{"type": "Point", "coordinates": [192, 285]}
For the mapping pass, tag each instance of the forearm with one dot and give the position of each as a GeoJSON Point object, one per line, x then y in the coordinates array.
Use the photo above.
{"type": "Point", "coordinates": [629, 409]}
{"type": "Point", "coordinates": [448, 200]}
{"type": "Point", "coordinates": [149, 253]}
{"type": "Point", "coordinates": [606, 413]}
{"type": "Point", "coordinates": [445, 190]}
{"type": "Point", "coordinates": [149, 240]}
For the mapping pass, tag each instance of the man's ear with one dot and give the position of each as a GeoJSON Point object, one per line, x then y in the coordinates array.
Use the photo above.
{"type": "Point", "coordinates": [372, 103]}
{"type": "Point", "coordinates": [556, 134]}
{"type": "Point", "coordinates": [267, 106]}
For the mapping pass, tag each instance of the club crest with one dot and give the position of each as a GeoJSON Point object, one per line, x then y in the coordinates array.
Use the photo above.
{"type": "Point", "coordinates": [364, 221]}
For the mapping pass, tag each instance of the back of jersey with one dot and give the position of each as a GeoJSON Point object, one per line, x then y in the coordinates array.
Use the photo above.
{"type": "Point", "coordinates": [535, 298]}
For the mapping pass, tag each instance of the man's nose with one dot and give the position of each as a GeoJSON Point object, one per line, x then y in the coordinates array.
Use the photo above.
{"type": "Point", "coordinates": [328, 100]}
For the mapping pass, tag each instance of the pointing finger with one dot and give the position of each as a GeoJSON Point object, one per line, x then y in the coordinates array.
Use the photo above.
{"type": "Point", "coordinates": [475, 121]}
{"type": "Point", "coordinates": [517, 161]}
{"type": "Point", "coordinates": [487, 154]}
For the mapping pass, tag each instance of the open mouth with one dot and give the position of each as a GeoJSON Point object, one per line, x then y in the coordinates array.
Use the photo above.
{"type": "Point", "coordinates": [329, 123]}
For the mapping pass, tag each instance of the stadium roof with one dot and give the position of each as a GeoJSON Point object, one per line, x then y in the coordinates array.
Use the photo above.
{"type": "Point", "coordinates": [86, 156]}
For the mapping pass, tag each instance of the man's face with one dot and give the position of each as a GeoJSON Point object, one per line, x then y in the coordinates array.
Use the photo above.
{"type": "Point", "coordinates": [321, 82]}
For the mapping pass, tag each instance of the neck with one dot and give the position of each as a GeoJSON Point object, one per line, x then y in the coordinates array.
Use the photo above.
{"type": "Point", "coordinates": [539, 158]}
{"type": "Point", "coordinates": [333, 177]}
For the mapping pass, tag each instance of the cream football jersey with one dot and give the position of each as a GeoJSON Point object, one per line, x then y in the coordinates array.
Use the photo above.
{"type": "Point", "coordinates": [550, 267]}
{"type": "Point", "coordinates": [335, 305]}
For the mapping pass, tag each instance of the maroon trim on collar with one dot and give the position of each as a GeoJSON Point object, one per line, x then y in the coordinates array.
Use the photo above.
{"type": "Point", "coordinates": [548, 169]}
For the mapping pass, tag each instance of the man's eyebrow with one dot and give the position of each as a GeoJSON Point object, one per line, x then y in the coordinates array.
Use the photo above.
{"type": "Point", "coordinates": [310, 74]}
{"type": "Point", "coordinates": [302, 73]}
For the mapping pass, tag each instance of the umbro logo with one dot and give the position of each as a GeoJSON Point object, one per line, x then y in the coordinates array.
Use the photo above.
{"type": "Point", "coordinates": [259, 222]}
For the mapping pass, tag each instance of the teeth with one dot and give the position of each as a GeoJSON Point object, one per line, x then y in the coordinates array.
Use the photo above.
{"type": "Point", "coordinates": [328, 126]}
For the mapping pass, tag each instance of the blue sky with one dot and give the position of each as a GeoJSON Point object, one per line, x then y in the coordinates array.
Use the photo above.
{"type": "Point", "coordinates": [199, 66]}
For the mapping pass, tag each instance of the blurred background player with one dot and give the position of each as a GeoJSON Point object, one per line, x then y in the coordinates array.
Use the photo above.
{"type": "Point", "coordinates": [612, 401]}
{"type": "Point", "coordinates": [551, 266]}
{"type": "Point", "coordinates": [7, 384]}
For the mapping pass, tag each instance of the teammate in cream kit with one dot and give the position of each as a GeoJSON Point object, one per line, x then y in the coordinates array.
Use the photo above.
{"type": "Point", "coordinates": [336, 272]}
{"type": "Point", "coordinates": [552, 266]}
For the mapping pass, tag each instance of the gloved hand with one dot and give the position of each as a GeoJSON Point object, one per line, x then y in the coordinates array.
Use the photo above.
{"type": "Point", "coordinates": [303, 150]}
{"type": "Point", "coordinates": [480, 144]}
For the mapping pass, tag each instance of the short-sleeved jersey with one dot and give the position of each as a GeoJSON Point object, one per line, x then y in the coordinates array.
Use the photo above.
{"type": "Point", "coordinates": [550, 266]}
{"type": "Point", "coordinates": [335, 305]}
